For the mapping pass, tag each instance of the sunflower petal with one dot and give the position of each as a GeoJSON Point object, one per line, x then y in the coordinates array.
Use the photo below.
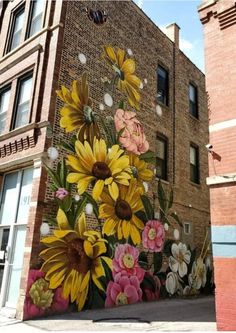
{"type": "Point", "coordinates": [85, 281]}
{"type": "Point", "coordinates": [62, 220]}
{"type": "Point", "coordinates": [98, 188]}
{"type": "Point", "coordinates": [113, 190]}
{"type": "Point", "coordinates": [128, 66]}
{"type": "Point", "coordinates": [135, 235]}
{"type": "Point", "coordinates": [88, 248]}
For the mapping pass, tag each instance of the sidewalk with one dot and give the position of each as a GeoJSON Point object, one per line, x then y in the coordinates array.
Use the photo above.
{"type": "Point", "coordinates": [166, 315]}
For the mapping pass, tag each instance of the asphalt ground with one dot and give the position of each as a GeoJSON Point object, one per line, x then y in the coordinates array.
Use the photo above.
{"type": "Point", "coordinates": [194, 314]}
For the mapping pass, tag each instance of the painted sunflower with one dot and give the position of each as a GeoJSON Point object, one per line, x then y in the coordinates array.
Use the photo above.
{"type": "Point", "coordinates": [72, 259]}
{"type": "Point", "coordinates": [124, 68]}
{"type": "Point", "coordinates": [77, 114]}
{"type": "Point", "coordinates": [98, 166]}
{"type": "Point", "coordinates": [119, 215]}
{"type": "Point", "coordinates": [140, 169]}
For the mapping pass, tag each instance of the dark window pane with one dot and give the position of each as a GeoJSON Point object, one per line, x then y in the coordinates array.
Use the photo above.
{"type": "Point", "coordinates": [23, 102]}
{"type": "Point", "coordinates": [36, 17]}
{"type": "Point", "coordinates": [161, 160]}
{"type": "Point", "coordinates": [162, 85]}
{"type": "Point", "coordinates": [194, 164]}
{"type": "Point", "coordinates": [4, 104]}
{"type": "Point", "coordinates": [193, 102]}
{"type": "Point", "coordinates": [18, 21]}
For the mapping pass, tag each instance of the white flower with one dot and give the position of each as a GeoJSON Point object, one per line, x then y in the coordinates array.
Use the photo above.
{"type": "Point", "coordinates": [145, 81]}
{"type": "Point", "coordinates": [44, 229]}
{"type": "Point", "coordinates": [141, 85]}
{"type": "Point", "coordinates": [130, 52]}
{"type": "Point", "coordinates": [181, 257]}
{"type": "Point", "coordinates": [52, 153]}
{"type": "Point", "coordinates": [186, 291]}
{"type": "Point", "coordinates": [89, 209]}
{"type": "Point", "coordinates": [77, 197]}
{"type": "Point", "coordinates": [172, 283]}
{"type": "Point", "coordinates": [145, 184]}
{"type": "Point", "coordinates": [101, 107]}
{"type": "Point", "coordinates": [82, 58]}
{"type": "Point", "coordinates": [159, 110]}
{"type": "Point", "coordinates": [108, 99]}
{"type": "Point", "coordinates": [166, 227]}
{"type": "Point", "coordinates": [197, 278]}
{"type": "Point", "coordinates": [176, 234]}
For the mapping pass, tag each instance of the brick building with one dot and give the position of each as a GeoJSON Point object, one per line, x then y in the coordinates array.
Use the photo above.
{"type": "Point", "coordinates": [219, 21]}
{"type": "Point", "coordinates": [40, 44]}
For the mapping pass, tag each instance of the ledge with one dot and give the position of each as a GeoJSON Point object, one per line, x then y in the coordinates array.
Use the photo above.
{"type": "Point", "coordinates": [221, 179]}
{"type": "Point", "coordinates": [23, 129]}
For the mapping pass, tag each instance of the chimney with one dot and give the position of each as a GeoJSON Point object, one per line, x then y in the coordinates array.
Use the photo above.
{"type": "Point", "coordinates": [172, 31]}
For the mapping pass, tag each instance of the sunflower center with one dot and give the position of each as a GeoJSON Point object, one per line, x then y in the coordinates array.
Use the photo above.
{"type": "Point", "coordinates": [77, 256]}
{"type": "Point", "coordinates": [128, 260]}
{"type": "Point", "coordinates": [123, 210]}
{"type": "Point", "coordinates": [119, 72]}
{"type": "Point", "coordinates": [134, 171]}
{"type": "Point", "coordinates": [152, 233]}
{"type": "Point", "coordinates": [101, 170]}
{"type": "Point", "coordinates": [88, 114]}
{"type": "Point", "coordinates": [121, 299]}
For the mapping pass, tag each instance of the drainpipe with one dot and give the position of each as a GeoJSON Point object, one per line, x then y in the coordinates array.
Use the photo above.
{"type": "Point", "coordinates": [172, 32]}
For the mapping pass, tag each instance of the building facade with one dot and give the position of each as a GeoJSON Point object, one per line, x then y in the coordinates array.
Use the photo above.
{"type": "Point", "coordinates": [40, 46]}
{"type": "Point", "coordinates": [219, 21]}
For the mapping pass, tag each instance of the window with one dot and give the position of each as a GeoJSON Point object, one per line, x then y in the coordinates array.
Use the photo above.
{"type": "Point", "coordinates": [161, 159]}
{"type": "Point", "coordinates": [17, 25]}
{"type": "Point", "coordinates": [4, 104]}
{"type": "Point", "coordinates": [162, 85]}
{"type": "Point", "coordinates": [193, 103]}
{"type": "Point", "coordinates": [194, 164]}
{"type": "Point", "coordinates": [36, 17]}
{"type": "Point", "coordinates": [187, 228]}
{"type": "Point", "coordinates": [22, 106]}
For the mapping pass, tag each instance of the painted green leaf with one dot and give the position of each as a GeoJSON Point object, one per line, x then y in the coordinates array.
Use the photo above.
{"type": "Point", "coordinates": [148, 208]}
{"type": "Point", "coordinates": [162, 197]}
{"type": "Point", "coordinates": [142, 216]}
{"type": "Point", "coordinates": [149, 157]}
{"type": "Point", "coordinates": [157, 261]}
{"type": "Point", "coordinates": [54, 177]}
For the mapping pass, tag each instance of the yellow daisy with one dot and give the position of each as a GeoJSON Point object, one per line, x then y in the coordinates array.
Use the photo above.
{"type": "Point", "coordinates": [77, 114]}
{"type": "Point", "coordinates": [140, 169]}
{"type": "Point", "coordinates": [119, 215]}
{"type": "Point", "coordinates": [98, 166]}
{"type": "Point", "coordinates": [72, 258]}
{"type": "Point", "coordinates": [125, 68]}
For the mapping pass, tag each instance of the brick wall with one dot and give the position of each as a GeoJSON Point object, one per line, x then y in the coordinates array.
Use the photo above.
{"type": "Point", "coordinates": [218, 18]}
{"type": "Point", "coordinates": [128, 27]}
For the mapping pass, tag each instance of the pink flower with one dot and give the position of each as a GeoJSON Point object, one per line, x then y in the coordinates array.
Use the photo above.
{"type": "Point", "coordinates": [151, 291]}
{"type": "Point", "coordinates": [59, 304]}
{"type": "Point", "coordinates": [61, 193]}
{"type": "Point", "coordinates": [133, 137]}
{"type": "Point", "coordinates": [123, 291]}
{"type": "Point", "coordinates": [40, 299]}
{"type": "Point", "coordinates": [153, 236]}
{"type": "Point", "coordinates": [125, 262]}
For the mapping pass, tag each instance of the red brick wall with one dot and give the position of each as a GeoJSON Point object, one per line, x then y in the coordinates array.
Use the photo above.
{"type": "Point", "coordinates": [218, 18]}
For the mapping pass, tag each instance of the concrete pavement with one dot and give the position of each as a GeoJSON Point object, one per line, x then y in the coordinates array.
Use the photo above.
{"type": "Point", "coordinates": [196, 314]}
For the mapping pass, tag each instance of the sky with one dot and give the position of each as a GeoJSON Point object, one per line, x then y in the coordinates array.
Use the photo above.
{"type": "Point", "coordinates": [185, 14]}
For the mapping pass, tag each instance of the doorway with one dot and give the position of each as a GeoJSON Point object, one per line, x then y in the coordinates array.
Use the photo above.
{"type": "Point", "coordinates": [14, 211]}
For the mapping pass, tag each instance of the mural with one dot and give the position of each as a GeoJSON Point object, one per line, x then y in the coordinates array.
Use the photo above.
{"type": "Point", "coordinates": [124, 257]}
